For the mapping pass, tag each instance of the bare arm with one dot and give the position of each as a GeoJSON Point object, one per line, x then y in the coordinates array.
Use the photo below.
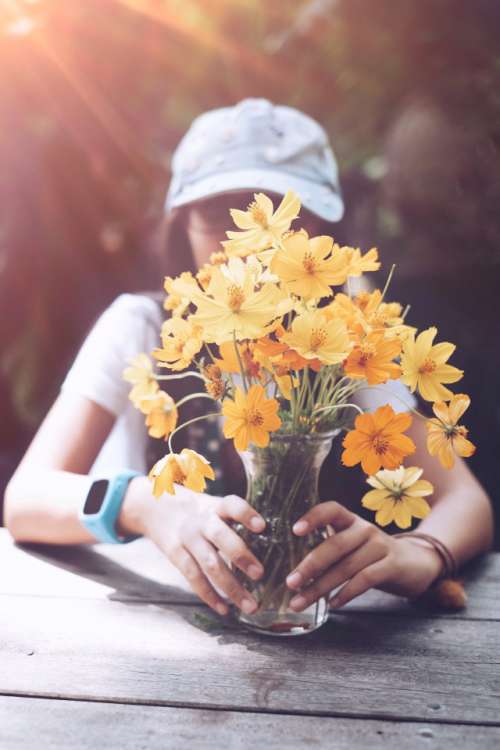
{"type": "Point", "coordinates": [461, 514]}
{"type": "Point", "coordinates": [48, 487]}
{"type": "Point", "coordinates": [44, 496]}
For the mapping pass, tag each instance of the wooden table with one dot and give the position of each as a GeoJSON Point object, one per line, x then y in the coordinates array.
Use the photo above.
{"type": "Point", "coordinates": [106, 647]}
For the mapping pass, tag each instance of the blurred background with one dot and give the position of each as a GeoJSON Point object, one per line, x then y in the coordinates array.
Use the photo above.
{"type": "Point", "coordinates": [95, 94]}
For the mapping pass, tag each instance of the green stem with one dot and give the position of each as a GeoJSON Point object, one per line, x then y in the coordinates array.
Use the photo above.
{"type": "Point", "coordinates": [181, 376]}
{"type": "Point", "coordinates": [185, 424]}
{"type": "Point", "coordinates": [339, 406]}
{"type": "Point", "coordinates": [409, 408]}
{"type": "Point", "coordinates": [191, 396]}
{"type": "Point", "coordinates": [386, 286]}
{"type": "Point", "coordinates": [240, 363]}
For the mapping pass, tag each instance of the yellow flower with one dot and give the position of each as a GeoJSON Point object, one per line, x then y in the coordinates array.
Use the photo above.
{"type": "Point", "coordinates": [424, 366]}
{"type": "Point", "coordinates": [175, 302]}
{"type": "Point", "coordinates": [262, 226]}
{"type": "Point", "coordinates": [359, 264]}
{"type": "Point", "coordinates": [229, 362]}
{"type": "Point", "coordinates": [315, 337]}
{"type": "Point", "coordinates": [234, 305]}
{"type": "Point", "coordinates": [218, 258]}
{"type": "Point", "coordinates": [309, 267]}
{"type": "Point", "coordinates": [161, 414]}
{"type": "Point", "coordinates": [377, 440]}
{"type": "Point", "coordinates": [187, 468]}
{"type": "Point", "coordinates": [250, 418]}
{"type": "Point", "coordinates": [446, 438]}
{"type": "Point", "coordinates": [398, 495]}
{"type": "Point", "coordinates": [285, 383]}
{"type": "Point", "coordinates": [140, 374]}
{"type": "Point", "coordinates": [181, 341]}
{"type": "Point", "coordinates": [372, 359]}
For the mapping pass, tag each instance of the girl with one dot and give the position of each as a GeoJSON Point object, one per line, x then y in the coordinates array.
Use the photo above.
{"type": "Point", "coordinates": [92, 430]}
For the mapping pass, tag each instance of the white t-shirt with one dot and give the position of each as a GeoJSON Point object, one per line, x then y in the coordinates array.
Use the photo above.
{"type": "Point", "coordinates": [129, 326]}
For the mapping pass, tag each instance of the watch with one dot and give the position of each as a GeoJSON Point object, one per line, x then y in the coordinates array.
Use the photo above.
{"type": "Point", "coordinates": [102, 506]}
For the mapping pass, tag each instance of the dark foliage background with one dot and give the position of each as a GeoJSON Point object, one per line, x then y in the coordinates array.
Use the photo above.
{"type": "Point", "coordinates": [95, 95]}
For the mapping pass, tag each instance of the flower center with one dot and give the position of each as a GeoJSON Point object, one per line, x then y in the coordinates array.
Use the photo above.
{"type": "Point", "coordinates": [366, 352]}
{"type": "Point", "coordinates": [427, 366]}
{"type": "Point", "coordinates": [258, 215]}
{"type": "Point", "coordinates": [235, 297]}
{"type": "Point", "coordinates": [309, 263]}
{"type": "Point", "coordinates": [254, 418]}
{"type": "Point", "coordinates": [318, 338]}
{"type": "Point", "coordinates": [178, 475]}
{"type": "Point", "coordinates": [380, 444]}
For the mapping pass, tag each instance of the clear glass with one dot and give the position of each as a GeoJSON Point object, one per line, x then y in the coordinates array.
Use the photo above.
{"type": "Point", "coordinates": [282, 484]}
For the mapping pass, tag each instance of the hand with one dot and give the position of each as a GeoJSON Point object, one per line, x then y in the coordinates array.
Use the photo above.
{"type": "Point", "coordinates": [360, 556]}
{"type": "Point", "coordinates": [190, 529]}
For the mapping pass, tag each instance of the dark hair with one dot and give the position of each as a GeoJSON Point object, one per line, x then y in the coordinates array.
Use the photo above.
{"type": "Point", "coordinates": [171, 247]}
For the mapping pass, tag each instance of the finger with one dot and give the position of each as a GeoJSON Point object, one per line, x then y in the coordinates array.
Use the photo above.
{"type": "Point", "coordinates": [320, 515]}
{"type": "Point", "coordinates": [348, 567]}
{"type": "Point", "coordinates": [366, 579]}
{"type": "Point", "coordinates": [187, 565]}
{"type": "Point", "coordinates": [236, 508]}
{"type": "Point", "coordinates": [233, 547]}
{"type": "Point", "coordinates": [216, 569]}
{"type": "Point", "coordinates": [327, 553]}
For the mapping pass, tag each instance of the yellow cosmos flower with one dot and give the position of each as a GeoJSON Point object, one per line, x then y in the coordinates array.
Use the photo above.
{"type": "Point", "coordinates": [262, 226]}
{"type": "Point", "coordinates": [181, 340]}
{"type": "Point", "coordinates": [234, 305]}
{"type": "Point", "coordinates": [424, 366]}
{"type": "Point", "coordinates": [372, 359]}
{"type": "Point", "coordinates": [398, 496]}
{"type": "Point", "coordinates": [250, 418]}
{"type": "Point", "coordinates": [359, 264]}
{"type": "Point", "coordinates": [309, 267]}
{"type": "Point", "coordinates": [140, 374]}
{"type": "Point", "coordinates": [175, 302]}
{"type": "Point", "coordinates": [161, 414]}
{"type": "Point", "coordinates": [187, 468]}
{"type": "Point", "coordinates": [446, 438]}
{"type": "Point", "coordinates": [315, 337]}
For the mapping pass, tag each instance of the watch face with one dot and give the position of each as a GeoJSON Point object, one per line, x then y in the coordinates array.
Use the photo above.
{"type": "Point", "coordinates": [95, 497]}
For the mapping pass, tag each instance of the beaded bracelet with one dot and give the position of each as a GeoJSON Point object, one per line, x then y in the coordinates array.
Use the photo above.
{"type": "Point", "coordinates": [450, 564]}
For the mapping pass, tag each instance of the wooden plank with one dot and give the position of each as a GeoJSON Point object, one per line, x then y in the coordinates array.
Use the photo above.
{"type": "Point", "coordinates": [139, 572]}
{"type": "Point", "coordinates": [85, 726]}
{"type": "Point", "coordinates": [360, 665]}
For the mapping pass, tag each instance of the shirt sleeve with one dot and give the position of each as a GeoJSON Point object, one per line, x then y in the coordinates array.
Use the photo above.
{"type": "Point", "coordinates": [394, 393]}
{"type": "Point", "coordinates": [129, 326]}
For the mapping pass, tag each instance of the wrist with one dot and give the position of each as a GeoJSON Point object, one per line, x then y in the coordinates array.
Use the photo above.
{"type": "Point", "coordinates": [132, 516]}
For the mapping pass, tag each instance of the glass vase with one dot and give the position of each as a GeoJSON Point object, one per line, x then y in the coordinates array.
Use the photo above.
{"type": "Point", "coordinates": [282, 484]}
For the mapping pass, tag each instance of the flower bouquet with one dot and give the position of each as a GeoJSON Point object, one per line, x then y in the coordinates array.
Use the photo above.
{"type": "Point", "coordinates": [271, 328]}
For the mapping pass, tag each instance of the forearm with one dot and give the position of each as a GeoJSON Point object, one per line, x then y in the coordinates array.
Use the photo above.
{"type": "Point", "coordinates": [461, 518]}
{"type": "Point", "coordinates": [461, 515]}
{"type": "Point", "coordinates": [43, 507]}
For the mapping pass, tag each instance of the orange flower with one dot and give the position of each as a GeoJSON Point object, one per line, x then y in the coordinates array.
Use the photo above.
{"type": "Point", "coordinates": [446, 438]}
{"type": "Point", "coordinates": [372, 359]}
{"type": "Point", "coordinates": [378, 441]}
{"type": "Point", "coordinates": [229, 359]}
{"type": "Point", "coordinates": [250, 418]}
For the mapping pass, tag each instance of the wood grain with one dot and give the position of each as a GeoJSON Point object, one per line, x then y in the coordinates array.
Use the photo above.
{"type": "Point", "coordinates": [139, 572]}
{"type": "Point", "coordinates": [357, 665]}
{"type": "Point", "coordinates": [58, 725]}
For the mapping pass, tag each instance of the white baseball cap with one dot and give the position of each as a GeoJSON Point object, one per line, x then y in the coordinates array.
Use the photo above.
{"type": "Point", "coordinates": [256, 145]}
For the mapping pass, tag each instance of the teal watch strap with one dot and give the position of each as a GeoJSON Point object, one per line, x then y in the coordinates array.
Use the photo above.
{"type": "Point", "coordinates": [102, 523]}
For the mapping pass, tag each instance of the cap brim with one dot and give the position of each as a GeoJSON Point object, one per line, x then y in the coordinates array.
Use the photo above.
{"type": "Point", "coordinates": [321, 200]}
